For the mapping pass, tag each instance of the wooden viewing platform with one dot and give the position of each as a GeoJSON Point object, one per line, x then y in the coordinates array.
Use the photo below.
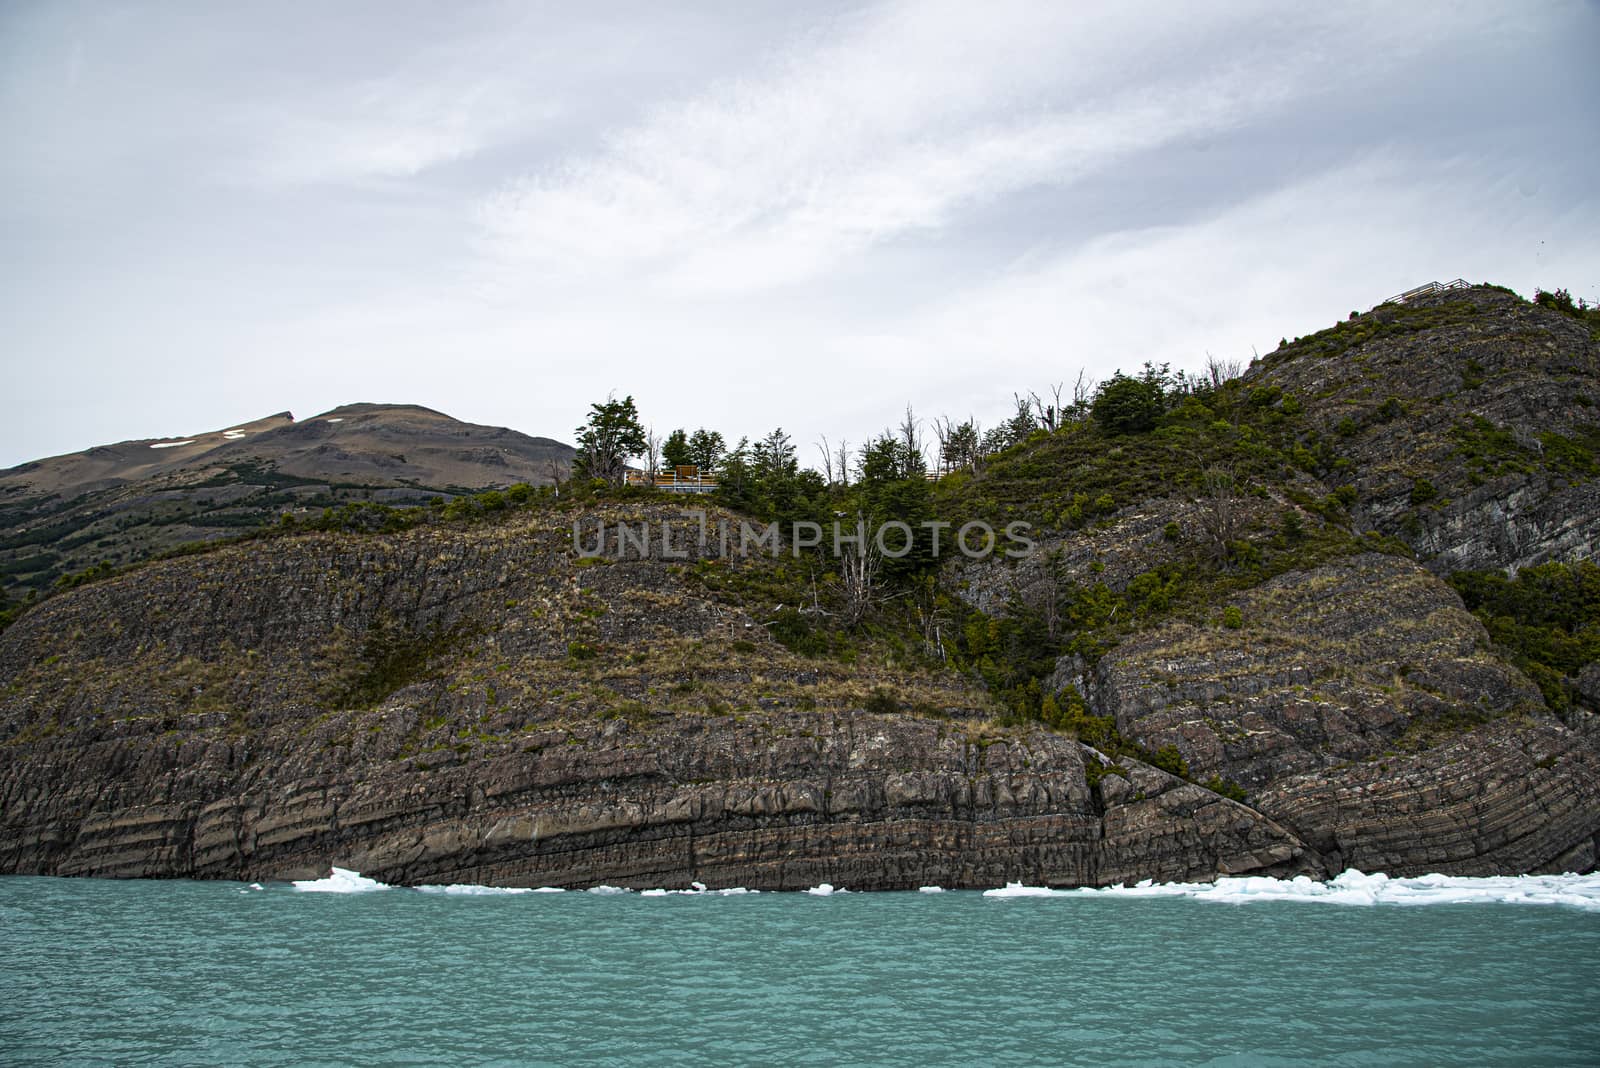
{"type": "Point", "coordinates": [1428, 289]}
{"type": "Point", "coordinates": [685, 478]}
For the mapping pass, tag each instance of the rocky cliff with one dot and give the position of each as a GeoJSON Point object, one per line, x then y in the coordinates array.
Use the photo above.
{"type": "Point", "coordinates": [1235, 651]}
{"type": "Point", "coordinates": [478, 706]}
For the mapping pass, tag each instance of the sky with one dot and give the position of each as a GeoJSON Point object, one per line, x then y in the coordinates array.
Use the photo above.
{"type": "Point", "coordinates": [746, 215]}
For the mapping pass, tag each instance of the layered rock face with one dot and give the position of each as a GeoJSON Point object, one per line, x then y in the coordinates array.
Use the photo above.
{"type": "Point", "coordinates": [1458, 413]}
{"type": "Point", "coordinates": [193, 719]}
{"type": "Point", "coordinates": [482, 704]}
{"type": "Point", "coordinates": [1359, 707]}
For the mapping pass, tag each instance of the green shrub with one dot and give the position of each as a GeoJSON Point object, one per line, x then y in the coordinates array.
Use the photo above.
{"type": "Point", "coordinates": [1124, 405]}
{"type": "Point", "coordinates": [1422, 492]}
{"type": "Point", "coordinates": [1168, 759]}
{"type": "Point", "coordinates": [1226, 787]}
{"type": "Point", "coordinates": [1232, 618]}
{"type": "Point", "coordinates": [882, 703]}
{"type": "Point", "coordinates": [1547, 620]}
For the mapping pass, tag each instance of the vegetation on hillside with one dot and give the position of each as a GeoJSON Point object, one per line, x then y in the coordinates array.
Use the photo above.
{"type": "Point", "coordinates": [1265, 488]}
{"type": "Point", "coordinates": [1547, 620]}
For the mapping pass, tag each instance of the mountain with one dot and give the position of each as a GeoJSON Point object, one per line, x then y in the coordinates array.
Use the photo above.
{"type": "Point", "coordinates": [118, 504]}
{"type": "Point", "coordinates": [1341, 611]}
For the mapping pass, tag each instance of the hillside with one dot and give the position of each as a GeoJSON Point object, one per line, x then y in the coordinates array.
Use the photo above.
{"type": "Point", "coordinates": [118, 504]}
{"type": "Point", "coordinates": [1268, 628]}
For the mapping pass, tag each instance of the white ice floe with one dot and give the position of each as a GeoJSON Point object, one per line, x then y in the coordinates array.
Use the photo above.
{"type": "Point", "coordinates": [470, 890]}
{"type": "Point", "coordinates": [1355, 888]}
{"type": "Point", "coordinates": [170, 444]}
{"type": "Point", "coordinates": [930, 889]}
{"type": "Point", "coordinates": [342, 881]}
{"type": "Point", "coordinates": [609, 890]}
{"type": "Point", "coordinates": [825, 890]}
{"type": "Point", "coordinates": [698, 890]}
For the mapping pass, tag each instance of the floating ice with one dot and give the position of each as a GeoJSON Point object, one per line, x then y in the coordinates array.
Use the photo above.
{"type": "Point", "coordinates": [470, 890]}
{"type": "Point", "coordinates": [1356, 888]}
{"type": "Point", "coordinates": [609, 890]}
{"type": "Point", "coordinates": [1018, 890]}
{"type": "Point", "coordinates": [342, 881]}
{"type": "Point", "coordinates": [697, 890]}
{"type": "Point", "coordinates": [825, 890]}
{"type": "Point", "coordinates": [930, 889]}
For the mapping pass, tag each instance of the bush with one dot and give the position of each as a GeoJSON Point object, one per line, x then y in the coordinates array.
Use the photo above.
{"type": "Point", "coordinates": [1169, 760]}
{"type": "Point", "coordinates": [1226, 787]}
{"type": "Point", "coordinates": [1232, 618]}
{"type": "Point", "coordinates": [882, 703]}
{"type": "Point", "coordinates": [1422, 492]}
{"type": "Point", "coordinates": [1124, 405]}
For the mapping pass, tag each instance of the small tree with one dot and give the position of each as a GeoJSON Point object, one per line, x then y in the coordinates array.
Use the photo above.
{"type": "Point", "coordinates": [707, 450]}
{"type": "Point", "coordinates": [610, 437]}
{"type": "Point", "coordinates": [1124, 405]}
{"type": "Point", "coordinates": [675, 450]}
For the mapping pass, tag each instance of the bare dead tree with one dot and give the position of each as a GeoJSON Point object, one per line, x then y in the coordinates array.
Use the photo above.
{"type": "Point", "coordinates": [557, 471]}
{"type": "Point", "coordinates": [827, 459]}
{"type": "Point", "coordinates": [943, 428]}
{"type": "Point", "coordinates": [1082, 395]}
{"type": "Point", "coordinates": [1047, 411]}
{"type": "Point", "coordinates": [1219, 512]}
{"type": "Point", "coordinates": [652, 453]}
{"type": "Point", "coordinates": [860, 574]}
{"type": "Point", "coordinates": [1219, 371]}
{"type": "Point", "coordinates": [911, 439]}
{"type": "Point", "coordinates": [931, 617]}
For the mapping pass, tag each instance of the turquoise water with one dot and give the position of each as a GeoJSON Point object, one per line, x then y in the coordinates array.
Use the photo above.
{"type": "Point", "coordinates": [212, 973]}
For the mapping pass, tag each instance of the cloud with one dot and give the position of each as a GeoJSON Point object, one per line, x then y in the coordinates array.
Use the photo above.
{"type": "Point", "coordinates": [899, 123]}
{"type": "Point", "coordinates": [384, 128]}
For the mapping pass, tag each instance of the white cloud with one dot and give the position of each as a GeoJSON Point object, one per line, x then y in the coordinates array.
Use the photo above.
{"type": "Point", "coordinates": [385, 128]}
{"type": "Point", "coordinates": [782, 219]}
{"type": "Point", "coordinates": [902, 122]}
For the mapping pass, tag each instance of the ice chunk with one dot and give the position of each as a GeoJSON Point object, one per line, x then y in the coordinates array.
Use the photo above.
{"type": "Point", "coordinates": [342, 881]}
{"type": "Point", "coordinates": [1356, 888]}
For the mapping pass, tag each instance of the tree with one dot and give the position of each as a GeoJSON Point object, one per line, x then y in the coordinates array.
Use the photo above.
{"type": "Point", "coordinates": [652, 453]}
{"type": "Point", "coordinates": [706, 450]}
{"type": "Point", "coordinates": [1220, 513]}
{"type": "Point", "coordinates": [1017, 428]}
{"type": "Point", "coordinates": [1124, 405]}
{"type": "Point", "coordinates": [960, 445]}
{"type": "Point", "coordinates": [774, 457]}
{"type": "Point", "coordinates": [675, 450]}
{"type": "Point", "coordinates": [911, 442]}
{"type": "Point", "coordinates": [608, 439]}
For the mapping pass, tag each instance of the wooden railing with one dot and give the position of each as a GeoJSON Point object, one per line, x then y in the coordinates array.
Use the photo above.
{"type": "Point", "coordinates": [1429, 289]}
{"type": "Point", "coordinates": [681, 480]}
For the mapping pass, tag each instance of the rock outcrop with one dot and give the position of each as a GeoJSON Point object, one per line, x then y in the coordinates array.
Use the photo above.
{"type": "Point", "coordinates": [549, 723]}
{"type": "Point", "coordinates": [1469, 422]}
{"type": "Point", "coordinates": [1252, 598]}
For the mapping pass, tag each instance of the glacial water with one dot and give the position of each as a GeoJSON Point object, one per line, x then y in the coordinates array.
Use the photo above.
{"type": "Point", "coordinates": [1362, 971]}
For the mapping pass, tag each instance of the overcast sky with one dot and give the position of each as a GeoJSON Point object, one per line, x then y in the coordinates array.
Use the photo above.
{"type": "Point", "coordinates": [796, 214]}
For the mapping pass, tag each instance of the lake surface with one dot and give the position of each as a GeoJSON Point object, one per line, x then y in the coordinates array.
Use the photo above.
{"type": "Point", "coordinates": [1247, 972]}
